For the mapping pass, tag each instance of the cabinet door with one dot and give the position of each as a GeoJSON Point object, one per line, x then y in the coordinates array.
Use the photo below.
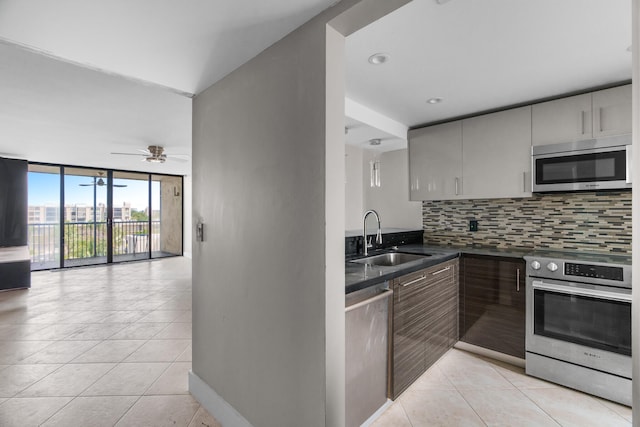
{"type": "Point", "coordinates": [562, 120]}
{"type": "Point", "coordinates": [496, 155]}
{"type": "Point", "coordinates": [435, 162]}
{"type": "Point", "coordinates": [612, 111]}
{"type": "Point", "coordinates": [408, 343]}
{"type": "Point", "coordinates": [493, 303]}
{"type": "Point", "coordinates": [425, 303]}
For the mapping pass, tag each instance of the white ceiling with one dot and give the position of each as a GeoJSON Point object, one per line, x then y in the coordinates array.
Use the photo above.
{"type": "Point", "coordinates": [56, 112]}
{"type": "Point", "coordinates": [477, 55]}
{"type": "Point", "coordinates": [80, 79]}
{"type": "Point", "coordinates": [480, 55]}
{"type": "Point", "coordinates": [184, 45]}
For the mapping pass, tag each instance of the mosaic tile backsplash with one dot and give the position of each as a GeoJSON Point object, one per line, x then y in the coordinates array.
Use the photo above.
{"type": "Point", "coordinates": [583, 221]}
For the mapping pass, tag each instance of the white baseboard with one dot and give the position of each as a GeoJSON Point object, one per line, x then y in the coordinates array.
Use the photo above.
{"type": "Point", "coordinates": [377, 414]}
{"type": "Point", "coordinates": [222, 411]}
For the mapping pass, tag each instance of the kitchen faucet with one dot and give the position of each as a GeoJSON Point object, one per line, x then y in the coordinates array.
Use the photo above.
{"type": "Point", "coordinates": [366, 244]}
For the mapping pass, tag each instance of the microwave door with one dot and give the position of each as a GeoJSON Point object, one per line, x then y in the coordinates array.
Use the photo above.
{"type": "Point", "coordinates": [581, 171]}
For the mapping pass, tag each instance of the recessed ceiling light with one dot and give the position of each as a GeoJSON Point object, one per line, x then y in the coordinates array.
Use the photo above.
{"type": "Point", "coordinates": [442, 1]}
{"type": "Point", "coordinates": [375, 141]}
{"type": "Point", "coordinates": [434, 100]}
{"type": "Point", "coordinates": [379, 58]}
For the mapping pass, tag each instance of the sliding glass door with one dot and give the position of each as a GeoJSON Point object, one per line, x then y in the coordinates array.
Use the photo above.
{"type": "Point", "coordinates": [43, 221]}
{"type": "Point", "coordinates": [130, 216]}
{"type": "Point", "coordinates": [84, 216]}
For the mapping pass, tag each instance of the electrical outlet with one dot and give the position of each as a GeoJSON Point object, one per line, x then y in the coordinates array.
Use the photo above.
{"type": "Point", "coordinates": [473, 225]}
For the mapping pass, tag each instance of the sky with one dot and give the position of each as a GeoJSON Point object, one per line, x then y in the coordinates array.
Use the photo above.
{"type": "Point", "coordinates": [44, 189]}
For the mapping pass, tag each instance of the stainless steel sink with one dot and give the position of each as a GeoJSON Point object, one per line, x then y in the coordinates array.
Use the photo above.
{"type": "Point", "coordinates": [390, 259]}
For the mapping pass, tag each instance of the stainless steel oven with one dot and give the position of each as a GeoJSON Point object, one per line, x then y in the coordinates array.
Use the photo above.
{"type": "Point", "coordinates": [595, 164]}
{"type": "Point", "coordinates": [578, 324]}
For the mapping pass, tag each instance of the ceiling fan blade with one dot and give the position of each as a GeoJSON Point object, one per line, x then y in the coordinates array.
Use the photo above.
{"type": "Point", "coordinates": [144, 152]}
{"type": "Point", "coordinates": [177, 159]}
{"type": "Point", "coordinates": [119, 185]}
{"type": "Point", "coordinates": [86, 185]}
{"type": "Point", "coordinates": [128, 154]}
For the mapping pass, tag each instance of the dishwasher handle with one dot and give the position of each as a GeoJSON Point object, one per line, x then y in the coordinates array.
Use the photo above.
{"type": "Point", "coordinates": [380, 296]}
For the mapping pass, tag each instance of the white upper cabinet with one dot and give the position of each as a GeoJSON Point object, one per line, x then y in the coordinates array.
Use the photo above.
{"type": "Point", "coordinates": [496, 155]}
{"type": "Point", "coordinates": [612, 111]}
{"type": "Point", "coordinates": [435, 162]}
{"type": "Point", "coordinates": [591, 115]}
{"type": "Point", "coordinates": [562, 120]}
{"type": "Point", "coordinates": [489, 156]}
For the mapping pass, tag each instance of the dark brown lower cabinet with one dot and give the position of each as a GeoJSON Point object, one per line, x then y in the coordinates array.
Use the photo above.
{"type": "Point", "coordinates": [425, 321]}
{"type": "Point", "coordinates": [492, 303]}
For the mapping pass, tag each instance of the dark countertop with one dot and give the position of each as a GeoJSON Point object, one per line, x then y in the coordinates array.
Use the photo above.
{"type": "Point", "coordinates": [360, 276]}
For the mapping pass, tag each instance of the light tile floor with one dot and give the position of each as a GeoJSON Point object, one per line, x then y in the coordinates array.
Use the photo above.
{"type": "Point", "coordinates": [105, 346]}
{"type": "Point", "coordinates": [463, 389]}
{"type": "Point", "coordinates": [100, 346]}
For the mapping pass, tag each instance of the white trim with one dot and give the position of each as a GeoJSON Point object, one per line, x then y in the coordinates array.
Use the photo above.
{"type": "Point", "coordinates": [377, 414]}
{"type": "Point", "coordinates": [222, 411]}
{"type": "Point", "coordinates": [512, 360]}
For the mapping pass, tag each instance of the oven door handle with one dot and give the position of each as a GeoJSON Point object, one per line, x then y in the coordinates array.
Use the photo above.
{"type": "Point", "coordinates": [613, 296]}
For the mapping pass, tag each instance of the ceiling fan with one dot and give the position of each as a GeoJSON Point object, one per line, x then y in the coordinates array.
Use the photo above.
{"type": "Point", "coordinates": [156, 154]}
{"type": "Point", "coordinates": [100, 182]}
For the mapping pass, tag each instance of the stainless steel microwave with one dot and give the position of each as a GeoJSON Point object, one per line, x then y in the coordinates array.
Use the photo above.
{"type": "Point", "coordinates": [593, 164]}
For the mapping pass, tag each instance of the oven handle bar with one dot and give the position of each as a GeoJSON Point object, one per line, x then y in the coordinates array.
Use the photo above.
{"type": "Point", "coordinates": [613, 296]}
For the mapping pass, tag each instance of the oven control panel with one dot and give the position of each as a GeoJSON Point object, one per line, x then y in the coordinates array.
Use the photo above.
{"type": "Point", "coordinates": [594, 271]}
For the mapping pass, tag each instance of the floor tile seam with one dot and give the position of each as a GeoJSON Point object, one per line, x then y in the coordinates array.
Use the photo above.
{"type": "Point", "coordinates": [76, 397]}
{"type": "Point", "coordinates": [31, 354]}
{"type": "Point", "coordinates": [599, 401]}
{"type": "Point", "coordinates": [37, 381]}
{"type": "Point", "coordinates": [105, 340]}
{"type": "Point", "coordinates": [66, 364]}
{"type": "Point", "coordinates": [540, 407]}
{"type": "Point", "coordinates": [64, 406]}
{"type": "Point", "coordinates": [406, 414]}
{"type": "Point", "coordinates": [499, 371]}
{"type": "Point", "coordinates": [472, 408]}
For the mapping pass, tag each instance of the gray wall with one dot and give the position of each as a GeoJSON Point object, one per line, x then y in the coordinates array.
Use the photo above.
{"type": "Point", "coordinates": [268, 282]}
{"type": "Point", "coordinates": [265, 318]}
{"type": "Point", "coordinates": [391, 199]}
{"type": "Point", "coordinates": [354, 187]}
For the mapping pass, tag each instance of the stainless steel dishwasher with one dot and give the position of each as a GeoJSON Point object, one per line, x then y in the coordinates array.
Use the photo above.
{"type": "Point", "coordinates": [367, 351]}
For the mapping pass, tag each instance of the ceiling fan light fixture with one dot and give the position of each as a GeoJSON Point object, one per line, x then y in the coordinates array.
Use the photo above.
{"type": "Point", "coordinates": [375, 141]}
{"type": "Point", "coordinates": [156, 159]}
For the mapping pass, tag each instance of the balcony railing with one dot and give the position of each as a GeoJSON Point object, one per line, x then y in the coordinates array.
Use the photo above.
{"type": "Point", "coordinates": [88, 239]}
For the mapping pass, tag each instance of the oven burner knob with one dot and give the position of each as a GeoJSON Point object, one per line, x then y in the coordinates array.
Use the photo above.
{"type": "Point", "coordinates": [552, 266]}
{"type": "Point", "coordinates": [535, 265]}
